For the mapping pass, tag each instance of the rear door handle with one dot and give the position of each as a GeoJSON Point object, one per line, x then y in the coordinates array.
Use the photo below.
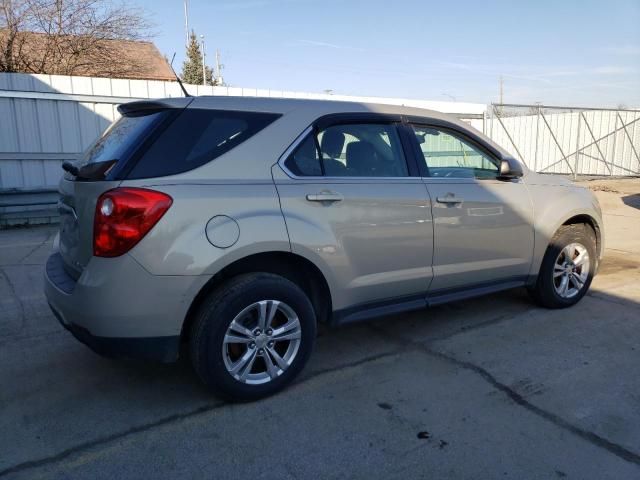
{"type": "Point", "coordinates": [324, 197]}
{"type": "Point", "coordinates": [450, 199]}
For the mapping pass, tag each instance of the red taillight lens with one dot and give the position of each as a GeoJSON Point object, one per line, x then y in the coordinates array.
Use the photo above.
{"type": "Point", "coordinates": [124, 216]}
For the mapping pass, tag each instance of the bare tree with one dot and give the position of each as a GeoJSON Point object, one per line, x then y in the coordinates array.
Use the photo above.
{"type": "Point", "coordinates": [14, 15]}
{"type": "Point", "coordinates": [69, 37]}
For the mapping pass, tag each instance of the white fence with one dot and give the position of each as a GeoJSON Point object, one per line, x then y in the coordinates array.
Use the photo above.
{"type": "Point", "coordinates": [574, 141]}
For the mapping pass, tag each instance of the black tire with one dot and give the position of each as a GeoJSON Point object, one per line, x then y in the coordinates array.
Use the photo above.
{"type": "Point", "coordinates": [216, 314]}
{"type": "Point", "coordinates": [544, 291]}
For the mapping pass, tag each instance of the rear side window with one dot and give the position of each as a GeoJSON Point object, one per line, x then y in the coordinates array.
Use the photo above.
{"type": "Point", "coordinates": [196, 137]}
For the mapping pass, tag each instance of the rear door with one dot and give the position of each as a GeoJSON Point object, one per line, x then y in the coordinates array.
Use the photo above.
{"type": "Point", "coordinates": [355, 206]}
{"type": "Point", "coordinates": [483, 226]}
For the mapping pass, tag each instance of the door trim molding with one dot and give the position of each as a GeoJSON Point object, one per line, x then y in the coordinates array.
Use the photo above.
{"type": "Point", "coordinates": [392, 306]}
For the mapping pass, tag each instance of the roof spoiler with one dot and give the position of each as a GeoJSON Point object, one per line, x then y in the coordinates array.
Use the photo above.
{"type": "Point", "coordinates": [145, 107]}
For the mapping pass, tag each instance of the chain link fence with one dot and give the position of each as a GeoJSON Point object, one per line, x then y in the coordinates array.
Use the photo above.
{"type": "Point", "coordinates": [573, 141]}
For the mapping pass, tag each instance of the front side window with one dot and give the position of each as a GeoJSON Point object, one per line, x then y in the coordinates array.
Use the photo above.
{"type": "Point", "coordinates": [447, 155]}
{"type": "Point", "coordinates": [350, 150]}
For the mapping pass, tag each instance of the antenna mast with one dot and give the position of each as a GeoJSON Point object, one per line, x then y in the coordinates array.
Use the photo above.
{"type": "Point", "coordinates": [186, 23]}
{"type": "Point", "coordinates": [184, 90]}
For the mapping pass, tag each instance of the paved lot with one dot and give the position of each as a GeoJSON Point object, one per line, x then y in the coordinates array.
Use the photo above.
{"type": "Point", "coordinates": [489, 388]}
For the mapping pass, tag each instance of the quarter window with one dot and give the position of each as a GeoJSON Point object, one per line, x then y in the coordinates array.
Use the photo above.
{"type": "Point", "coordinates": [351, 150]}
{"type": "Point", "coordinates": [305, 161]}
{"type": "Point", "coordinates": [196, 137]}
{"type": "Point", "coordinates": [447, 155]}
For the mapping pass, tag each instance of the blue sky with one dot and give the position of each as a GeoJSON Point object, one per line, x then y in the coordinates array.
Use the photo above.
{"type": "Point", "coordinates": [556, 52]}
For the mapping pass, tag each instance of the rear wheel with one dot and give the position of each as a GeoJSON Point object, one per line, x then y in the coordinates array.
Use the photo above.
{"type": "Point", "coordinates": [252, 336]}
{"type": "Point", "coordinates": [567, 268]}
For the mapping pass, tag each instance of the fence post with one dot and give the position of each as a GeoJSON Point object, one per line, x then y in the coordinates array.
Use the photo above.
{"type": "Point", "coordinates": [535, 157]}
{"type": "Point", "coordinates": [575, 166]}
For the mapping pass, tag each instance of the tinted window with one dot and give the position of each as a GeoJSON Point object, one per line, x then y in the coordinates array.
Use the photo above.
{"type": "Point", "coordinates": [305, 160]}
{"type": "Point", "coordinates": [196, 137]}
{"type": "Point", "coordinates": [119, 138]}
{"type": "Point", "coordinates": [447, 155]}
{"type": "Point", "coordinates": [351, 150]}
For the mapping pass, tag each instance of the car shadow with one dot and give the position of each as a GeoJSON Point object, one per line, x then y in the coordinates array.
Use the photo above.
{"type": "Point", "coordinates": [632, 200]}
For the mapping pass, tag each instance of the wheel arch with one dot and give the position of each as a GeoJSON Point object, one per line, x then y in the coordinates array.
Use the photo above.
{"type": "Point", "coordinates": [547, 226]}
{"type": "Point", "coordinates": [291, 266]}
{"type": "Point", "coordinates": [589, 220]}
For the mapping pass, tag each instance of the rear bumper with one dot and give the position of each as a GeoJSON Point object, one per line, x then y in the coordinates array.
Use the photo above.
{"type": "Point", "coordinates": [161, 349]}
{"type": "Point", "coordinates": [119, 309]}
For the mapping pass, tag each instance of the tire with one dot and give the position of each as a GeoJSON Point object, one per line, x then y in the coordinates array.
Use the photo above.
{"type": "Point", "coordinates": [243, 301]}
{"type": "Point", "coordinates": [548, 290]}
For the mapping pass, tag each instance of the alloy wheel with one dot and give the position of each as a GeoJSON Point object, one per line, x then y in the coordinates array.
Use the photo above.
{"type": "Point", "coordinates": [261, 342]}
{"type": "Point", "coordinates": [571, 270]}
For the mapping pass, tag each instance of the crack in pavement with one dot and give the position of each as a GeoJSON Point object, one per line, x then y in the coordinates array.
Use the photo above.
{"type": "Point", "coordinates": [65, 454]}
{"type": "Point", "coordinates": [476, 326]}
{"type": "Point", "coordinates": [14, 292]}
{"type": "Point", "coordinates": [587, 435]}
{"type": "Point", "coordinates": [38, 246]}
{"type": "Point", "coordinates": [108, 439]}
{"type": "Point", "coordinates": [13, 338]}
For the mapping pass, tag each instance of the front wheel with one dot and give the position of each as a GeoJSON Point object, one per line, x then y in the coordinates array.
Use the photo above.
{"type": "Point", "coordinates": [567, 268]}
{"type": "Point", "coordinates": [253, 336]}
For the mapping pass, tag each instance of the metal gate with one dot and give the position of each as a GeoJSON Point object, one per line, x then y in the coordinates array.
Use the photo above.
{"type": "Point", "coordinates": [568, 140]}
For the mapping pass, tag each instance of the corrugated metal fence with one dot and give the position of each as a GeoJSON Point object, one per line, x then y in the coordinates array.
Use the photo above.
{"type": "Point", "coordinates": [572, 141]}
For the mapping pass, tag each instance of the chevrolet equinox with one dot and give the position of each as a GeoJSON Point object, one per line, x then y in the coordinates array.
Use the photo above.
{"type": "Point", "coordinates": [228, 228]}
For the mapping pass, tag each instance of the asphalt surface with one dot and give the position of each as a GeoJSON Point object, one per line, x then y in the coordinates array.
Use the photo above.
{"type": "Point", "coordinates": [488, 388]}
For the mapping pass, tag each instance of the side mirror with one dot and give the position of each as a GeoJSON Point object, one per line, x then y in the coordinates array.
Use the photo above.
{"type": "Point", "coordinates": [510, 169]}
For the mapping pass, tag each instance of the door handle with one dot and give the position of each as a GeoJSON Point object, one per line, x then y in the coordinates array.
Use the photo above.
{"type": "Point", "coordinates": [324, 197]}
{"type": "Point", "coordinates": [450, 200]}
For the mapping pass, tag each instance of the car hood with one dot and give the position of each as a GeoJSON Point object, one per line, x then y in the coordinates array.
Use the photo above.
{"type": "Point", "coordinates": [533, 178]}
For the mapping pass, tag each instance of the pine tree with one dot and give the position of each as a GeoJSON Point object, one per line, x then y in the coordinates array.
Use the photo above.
{"type": "Point", "coordinates": [192, 66]}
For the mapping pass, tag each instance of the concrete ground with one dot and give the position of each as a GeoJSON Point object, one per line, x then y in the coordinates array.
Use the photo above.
{"type": "Point", "coordinates": [488, 388]}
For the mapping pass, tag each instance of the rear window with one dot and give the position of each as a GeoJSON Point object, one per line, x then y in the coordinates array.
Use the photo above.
{"type": "Point", "coordinates": [120, 137]}
{"type": "Point", "coordinates": [196, 137]}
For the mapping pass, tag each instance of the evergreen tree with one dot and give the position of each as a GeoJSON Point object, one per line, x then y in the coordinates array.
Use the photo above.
{"type": "Point", "coordinates": [192, 66]}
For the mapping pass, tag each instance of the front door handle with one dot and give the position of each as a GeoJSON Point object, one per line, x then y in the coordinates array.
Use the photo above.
{"type": "Point", "coordinates": [450, 200]}
{"type": "Point", "coordinates": [325, 197]}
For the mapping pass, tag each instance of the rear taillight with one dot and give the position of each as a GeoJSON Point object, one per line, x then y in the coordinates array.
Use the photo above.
{"type": "Point", "coordinates": [124, 216]}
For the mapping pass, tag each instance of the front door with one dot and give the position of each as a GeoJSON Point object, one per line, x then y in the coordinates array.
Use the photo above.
{"type": "Point", "coordinates": [483, 226]}
{"type": "Point", "coordinates": [352, 206]}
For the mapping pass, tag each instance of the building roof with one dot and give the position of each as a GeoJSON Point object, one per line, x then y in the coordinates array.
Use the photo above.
{"type": "Point", "coordinates": [133, 59]}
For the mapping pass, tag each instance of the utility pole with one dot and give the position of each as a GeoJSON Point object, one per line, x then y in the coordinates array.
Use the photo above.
{"type": "Point", "coordinates": [219, 79]}
{"type": "Point", "coordinates": [204, 68]}
{"type": "Point", "coordinates": [186, 23]}
{"type": "Point", "coordinates": [501, 90]}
